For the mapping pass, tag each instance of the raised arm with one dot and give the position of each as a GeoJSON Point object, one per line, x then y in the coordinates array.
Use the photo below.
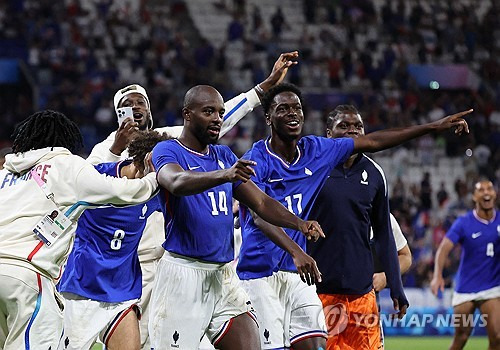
{"type": "Point", "coordinates": [383, 139]}
{"type": "Point", "coordinates": [442, 253]}
{"type": "Point", "coordinates": [239, 106]}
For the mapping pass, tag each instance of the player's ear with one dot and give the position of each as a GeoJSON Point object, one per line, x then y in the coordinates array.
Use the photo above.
{"type": "Point", "coordinates": [186, 113]}
{"type": "Point", "coordinates": [268, 119]}
{"type": "Point", "coordinates": [328, 133]}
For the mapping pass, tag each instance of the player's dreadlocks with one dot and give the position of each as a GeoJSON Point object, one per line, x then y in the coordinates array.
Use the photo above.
{"type": "Point", "coordinates": [46, 129]}
{"type": "Point", "coordinates": [143, 143]}
{"type": "Point", "coordinates": [340, 109]}
{"type": "Point", "coordinates": [267, 99]}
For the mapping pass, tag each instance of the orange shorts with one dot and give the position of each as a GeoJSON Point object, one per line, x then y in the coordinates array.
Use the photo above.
{"type": "Point", "coordinates": [352, 321]}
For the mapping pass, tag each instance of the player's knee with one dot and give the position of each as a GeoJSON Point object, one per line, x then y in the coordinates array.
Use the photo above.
{"type": "Point", "coordinates": [314, 343]}
{"type": "Point", "coordinates": [462, 333]}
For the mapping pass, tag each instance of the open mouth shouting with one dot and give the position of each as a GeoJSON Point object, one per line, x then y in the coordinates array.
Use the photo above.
{"type": "Point", "coordinates": [138, 117]}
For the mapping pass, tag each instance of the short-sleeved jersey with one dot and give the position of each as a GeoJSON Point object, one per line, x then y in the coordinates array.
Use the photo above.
{"type": "Point", "coordinates": [103, 264]}
{"type": "Point", "coordinates": [294, 185]}
{"type": "Point", "coordinates": [201, 225]}
{"type": "Point", "coordinates": [479, 267]}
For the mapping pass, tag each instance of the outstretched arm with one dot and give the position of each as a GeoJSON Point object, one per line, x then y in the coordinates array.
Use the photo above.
{"type": "Point", "coordinates": [182, 182]}
{"type": "Point", "coordinates": [383, 139]}
{"type": "Point", "coordinates": [442, 253]}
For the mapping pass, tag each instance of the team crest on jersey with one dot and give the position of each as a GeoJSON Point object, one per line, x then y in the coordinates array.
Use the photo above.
{"type": "Point", "coordinates": [175, 338]}
{"type": "Point", "coordinates": [266, 335]}
{"type": "Point", "coordinates": [364, 178]}
{"type": "Point", "coordinates": [222, 166]}
{"type": "Point", "coordinates": [144, 210]}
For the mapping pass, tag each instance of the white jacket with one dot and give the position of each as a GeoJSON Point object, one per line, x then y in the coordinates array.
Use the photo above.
{"type": "Point", "coordinates": [153, 236]}
{"type": "Point", "coordinates": [76, 186]}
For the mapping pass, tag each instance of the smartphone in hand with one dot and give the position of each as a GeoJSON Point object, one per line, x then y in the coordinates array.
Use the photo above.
{"type": "Point", "coordinates": [123, 113]}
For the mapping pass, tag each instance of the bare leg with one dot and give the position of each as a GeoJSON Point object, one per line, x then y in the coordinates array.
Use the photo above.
{"type": "Point", "coordinates": [314, 343]}
{"type": "Point", "coordinates": [491, 309]}
{"type": "Point", "coordinates": [126, 335]}
{"type": "Point", "coordinates": [463, 331]}
{"type": "Point", "coordinates": [243, 334]}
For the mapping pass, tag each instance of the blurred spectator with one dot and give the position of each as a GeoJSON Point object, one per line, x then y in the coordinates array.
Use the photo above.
{"type": "Point", "coordinates": [442, 195]}
{"type": "Point", "coordinates": [277, 22]}
{"type": "Point", "coordinates": [235, 30]}
{"type": "Point", "coordinates": [426, 192]}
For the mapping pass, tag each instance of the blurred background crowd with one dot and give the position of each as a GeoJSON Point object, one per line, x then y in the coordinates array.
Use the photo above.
{"type": "Point", "coordinates": [399, 62]}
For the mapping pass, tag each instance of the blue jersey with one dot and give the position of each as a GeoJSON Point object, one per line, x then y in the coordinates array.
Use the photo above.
{"type": "Point", "coordinates": [201, 225]}
{"type": "Point", "coordinates": [479, 267]}
{"type": "Point", "coordinates": [103, 264]}
{"type": "Point", "coordinates": [296, 186]}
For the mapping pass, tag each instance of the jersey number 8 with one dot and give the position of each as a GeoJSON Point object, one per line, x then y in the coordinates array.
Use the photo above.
{"type": "Point", "coordinates": [116, 242]}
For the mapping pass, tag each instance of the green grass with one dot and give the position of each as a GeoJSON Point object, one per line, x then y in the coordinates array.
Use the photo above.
{"type": "Point", "coordinates": [420, 343]}
{"type": "Point", "coordinates": [432, 343]}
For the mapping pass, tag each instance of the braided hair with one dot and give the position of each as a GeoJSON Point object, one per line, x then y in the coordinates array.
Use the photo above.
{"type": "Point", "coordinates": [143, 143]}
{"type": "Point", "coordinates": [46, 129]}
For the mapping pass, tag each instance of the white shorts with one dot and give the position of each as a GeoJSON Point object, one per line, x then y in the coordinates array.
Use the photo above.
{"type": "Point", "coordinates": [192, 298]}
{"type": "Point", "coordinates": [148, 275]}
{"type": "Point", "coordinates": [30, 310]}
{"type": "Point", "coordinates": [86, 320]}
{"type": "Point", "coordinates": [460, 298]}
{"type": "Point", "coordinates": [288, 310]}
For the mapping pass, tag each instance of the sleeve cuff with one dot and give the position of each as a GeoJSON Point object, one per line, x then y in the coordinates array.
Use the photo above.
{"type": "Point", "coordinates": [253, 98]}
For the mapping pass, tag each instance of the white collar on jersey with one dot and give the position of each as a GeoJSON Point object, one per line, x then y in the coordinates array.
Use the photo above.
{"type": "Point", "coordinates": [484, 221]}
{"type": "Point", "coordinates": [284, 162]}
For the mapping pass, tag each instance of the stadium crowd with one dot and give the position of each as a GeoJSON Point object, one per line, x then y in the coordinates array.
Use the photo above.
{"type": "Point", "coordinates": [79, 52]}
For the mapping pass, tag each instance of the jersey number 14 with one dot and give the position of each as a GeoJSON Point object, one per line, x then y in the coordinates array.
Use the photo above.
{"type": "Point", "coordinates": [222, 207]}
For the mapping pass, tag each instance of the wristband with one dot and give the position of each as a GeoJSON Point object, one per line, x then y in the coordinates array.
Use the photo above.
{"type": "Point", "coordinates": [259, 90]}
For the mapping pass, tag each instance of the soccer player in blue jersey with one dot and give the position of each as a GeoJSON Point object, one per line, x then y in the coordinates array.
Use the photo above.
{"type": "Point", "coordinates": [477, 283]}
{"type": "Point", "coordinates": [114, 149]}
{"type": "Point", "coordinates": [292, 169]}
{"type": "Point", "coordinates": [102, 279]}
{"type": "Point", "coordinates": [196, 291]}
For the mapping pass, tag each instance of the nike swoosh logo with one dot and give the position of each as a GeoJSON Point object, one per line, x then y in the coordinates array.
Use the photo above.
{"type": "Point", "coordinates": [274, 180]}
{"type": "Point", "coordinates": [476, 234]}
{"type": "Point", "coordinates": [194, 167]}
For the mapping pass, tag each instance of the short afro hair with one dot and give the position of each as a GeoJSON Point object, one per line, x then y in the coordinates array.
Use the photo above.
{"type": "Point", "coordinates": [267, 99]}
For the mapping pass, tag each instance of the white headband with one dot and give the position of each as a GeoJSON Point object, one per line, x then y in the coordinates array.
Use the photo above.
{"type": "Point", "coordinates": [132, 89]}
